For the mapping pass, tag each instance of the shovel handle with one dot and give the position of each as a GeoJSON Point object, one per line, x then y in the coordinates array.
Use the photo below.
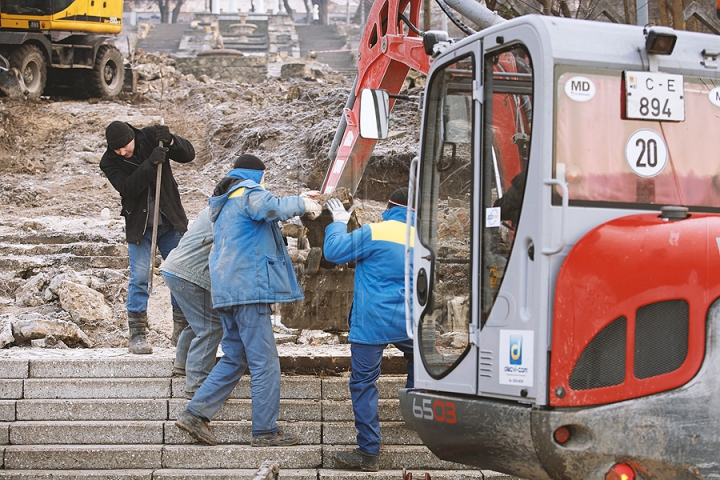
{"type": "Point", "coordinates": [156, 212]}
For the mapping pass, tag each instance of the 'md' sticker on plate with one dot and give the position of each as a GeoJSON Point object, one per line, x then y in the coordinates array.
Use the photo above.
{"type": "Point", "coordinates": [580, 89]}
{"type": "Point", "coordinates": [516, 357]}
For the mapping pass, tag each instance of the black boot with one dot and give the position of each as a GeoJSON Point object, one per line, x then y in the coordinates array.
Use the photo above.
{"type": "Point", "coordinates": [179, 324]}
{"type": "Point", "coordinates": [138, 328]}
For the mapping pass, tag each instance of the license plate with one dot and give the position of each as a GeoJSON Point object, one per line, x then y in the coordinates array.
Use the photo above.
{"type": "Point", "coordinates": [654, 96]}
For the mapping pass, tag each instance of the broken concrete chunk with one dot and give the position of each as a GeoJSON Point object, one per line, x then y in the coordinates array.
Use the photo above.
{"type": "Point", "coordinates": [84, 304]}
{"type": "Point", "coordinates": [34, 326]}
{"type": "Point", "coordinates": [30, 294]}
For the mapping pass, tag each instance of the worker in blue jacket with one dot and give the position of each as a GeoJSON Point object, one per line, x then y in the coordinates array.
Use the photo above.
{"type": "Point", "coordinates": [250, 269]}
{"type": "Point", "coordinates": [377, 316]}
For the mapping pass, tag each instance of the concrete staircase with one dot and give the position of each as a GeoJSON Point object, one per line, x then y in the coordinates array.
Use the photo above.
{"type": "Point", "coordinates": [330, 47]}
{"type": "Point", "coordinates": [105, 414]}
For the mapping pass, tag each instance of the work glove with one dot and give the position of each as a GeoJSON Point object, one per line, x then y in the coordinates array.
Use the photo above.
{"type": "Point", "coordinates": [312, 208]}
{"type": "Point", "coordinates": [158, 155]}
{"type": "Point", "coordinates": [339, 213]}
{"type": "Point", "coordinates": [162, 134]}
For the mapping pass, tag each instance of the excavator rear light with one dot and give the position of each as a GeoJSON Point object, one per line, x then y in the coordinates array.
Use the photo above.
{"type": "Point", "coordinates": [620, 471]}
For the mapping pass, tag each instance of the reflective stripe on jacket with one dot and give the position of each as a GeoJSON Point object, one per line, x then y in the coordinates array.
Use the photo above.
{"type": "Point", "coordinates": [378, 312]}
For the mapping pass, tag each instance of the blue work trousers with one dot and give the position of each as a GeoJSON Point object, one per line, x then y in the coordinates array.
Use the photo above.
{"type": "Point", "coordinates": [197, 346]}
{"type": "Point", "coordinates": [248, 342]}
{"type": "Point", "coordinates": [139, 254]}
{"type": "Point", "coordinates": [365, 361]}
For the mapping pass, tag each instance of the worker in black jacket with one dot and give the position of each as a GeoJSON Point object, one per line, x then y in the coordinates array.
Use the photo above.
{"type": "Point", "coordinates": [130, 163]}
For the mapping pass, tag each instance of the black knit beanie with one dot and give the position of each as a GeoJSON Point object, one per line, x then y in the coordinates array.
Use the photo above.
{"type": "Point", "coordinates": [118, 134]}
{"type": "Point", "coordinates": [399, 198]}
{"type": "Point", "coordinates": [250, 162]}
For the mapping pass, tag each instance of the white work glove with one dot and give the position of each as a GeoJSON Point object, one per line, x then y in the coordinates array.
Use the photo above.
{"type": "Point", "coordinates": [312, 208]}
{"type": "Point", "coordinates": [339, 213]}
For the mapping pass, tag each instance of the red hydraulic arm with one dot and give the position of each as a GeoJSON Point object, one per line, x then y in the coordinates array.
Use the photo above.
{"type": "Point", "coordinates": [385, 54]}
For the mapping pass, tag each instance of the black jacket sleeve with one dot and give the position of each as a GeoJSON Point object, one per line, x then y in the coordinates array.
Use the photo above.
{"type": "Point", "coordinates": [128, 184]}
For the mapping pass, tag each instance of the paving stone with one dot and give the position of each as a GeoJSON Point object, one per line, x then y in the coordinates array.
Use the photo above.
{"type": "Point", "coordinates": [98, 388]}
{"type": "Point", "coordinates": [11, 389]}
{"type": "Point", "coordinates": [341, 410]}
{"type": "Point", "coordinates": [234, 474]}
{"type": "Point", "coordinates": [392, 433]}
{"type": "Point", "coordinates": [7, 410]}
{"type": "Point", "coordinates": [241, 432]}
{"type": "Point", "coordinates": [394, 457]}
{"type": "Point", "coordinates": [241, 409]}
{"type": "Point", "coordinates": [82, 457]}
{"type": "Point", "coordinates": [241, 456]}
{"type": "Point", "coordinates": [86, 433]}
{"type": "Point", "coordinates": [124, 365]}
{"type": "Point", "coordinates": [77, 474]}
{"type": "Point", "coordinates": [91, 409]}
{"type": "Point", "coordinates": [13, 368]}
{"type": "Point", "coordinates": [336, 388]}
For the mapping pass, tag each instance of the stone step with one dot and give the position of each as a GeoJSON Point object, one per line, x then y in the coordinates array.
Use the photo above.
{"type": "Point", "coordinates": [161, 409]}
{"type": "Point", "coordinates": [117, 457]}
{"type": "Point", "coordinates": [328, 362]}
{"type": "Point", "coordinates": [73, 249]}
{"type": "Point", "coordinates": [46, 262]}
{"type": "Point", "coordinates": [165, 432]}
{"type": "Point", "coordinates": [235, 474]}
{"type": "Point", "coordinates": [302, 387]}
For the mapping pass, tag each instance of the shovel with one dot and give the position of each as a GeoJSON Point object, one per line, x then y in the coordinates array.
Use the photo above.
{"type": "Point", "coordinates": [156, 212]}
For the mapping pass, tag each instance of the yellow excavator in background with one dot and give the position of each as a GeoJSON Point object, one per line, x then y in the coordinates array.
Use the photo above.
{"type": "Point", "coordinates": [42, 37]}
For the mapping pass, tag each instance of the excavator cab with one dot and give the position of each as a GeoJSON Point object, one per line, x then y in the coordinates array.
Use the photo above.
{"type": "Point", "coordinates": [566, 268]}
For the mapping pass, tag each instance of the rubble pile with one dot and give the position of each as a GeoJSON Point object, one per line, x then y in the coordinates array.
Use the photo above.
{"type": "Point", "coordinates": [63, 257]}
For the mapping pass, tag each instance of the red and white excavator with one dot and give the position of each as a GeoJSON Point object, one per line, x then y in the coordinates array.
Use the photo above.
{"type": "Point", "coordinates": [563, 296]}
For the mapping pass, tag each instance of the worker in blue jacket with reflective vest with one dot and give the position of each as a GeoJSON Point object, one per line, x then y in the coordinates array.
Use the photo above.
{"type": "Point", "coordinates": [377, 316]}
{"type": "Point", "coordinates": [250, 269]}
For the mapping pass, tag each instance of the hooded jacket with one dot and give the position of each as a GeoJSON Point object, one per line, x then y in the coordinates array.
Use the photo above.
{"type": "Point", "coordinates": [249, 262]}
{"type": "Point", "coordinates": [133, 177]}
{"type": "Point", "coordinates": [377, 316]}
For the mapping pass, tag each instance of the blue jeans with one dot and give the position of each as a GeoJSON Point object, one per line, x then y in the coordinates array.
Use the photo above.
{"type": "Point", "coordinates": [196, 349]}
{"type": "Point", "coordinates": [365, 361]}
{"type": "Point", "coordinates": [248, 342]}
{"type": "Point", "coordinates": [139, 253]}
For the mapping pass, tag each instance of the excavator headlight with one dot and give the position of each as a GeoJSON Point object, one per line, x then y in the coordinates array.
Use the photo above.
{"type": "Point", "coordinates": [660, 40]}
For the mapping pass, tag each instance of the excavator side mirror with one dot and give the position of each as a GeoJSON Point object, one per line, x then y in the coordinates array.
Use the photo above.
{"type": "Point", "coordinates": [374, 113]}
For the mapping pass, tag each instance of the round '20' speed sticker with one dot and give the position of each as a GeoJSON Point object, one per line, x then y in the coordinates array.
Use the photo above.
{"type": "Point", "coordinates": [646, 153]}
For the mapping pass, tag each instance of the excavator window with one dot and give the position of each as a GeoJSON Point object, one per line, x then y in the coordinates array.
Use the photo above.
{"type": "Point", "coordinates": [443, 216]}
{"type": "Point", "coordinates": [629, 163]}
{"type": "Point", "coordinates": [27, 7]}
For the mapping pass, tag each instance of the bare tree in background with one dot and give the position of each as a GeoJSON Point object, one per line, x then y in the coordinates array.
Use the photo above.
{"type": "Point", "coordinates": [168, 8]}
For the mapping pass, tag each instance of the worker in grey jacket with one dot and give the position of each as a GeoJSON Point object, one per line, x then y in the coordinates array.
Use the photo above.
{"type": "Point", "coordinates": [187, 275]}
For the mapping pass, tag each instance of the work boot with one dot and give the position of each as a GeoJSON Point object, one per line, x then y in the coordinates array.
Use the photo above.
{"type": "Point", "coordinates": [138, 328]}
{"type": "Point", "coordinates": [196, 427]}
{"type": "Point", "coordinates": [179, 324]}
{"type": "Point", "coordinates": [358, 459]}
{"type": "Point", "coordinates": [278, 439]}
